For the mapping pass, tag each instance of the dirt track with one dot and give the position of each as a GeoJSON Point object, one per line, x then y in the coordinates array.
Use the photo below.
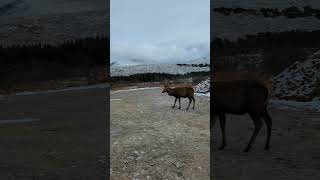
{"type": "Point", "coordinates": [294, 150]}
{"type": "Point", "coordinates": [150, 140]}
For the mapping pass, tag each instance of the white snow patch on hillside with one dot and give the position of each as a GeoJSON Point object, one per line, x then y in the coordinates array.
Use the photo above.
{"type": "Point", "coordinates": [117, 70]}
{"type": "Point", "coordinates": [203, 87]}
{"type": "Point", "coordinates": [298, 80]}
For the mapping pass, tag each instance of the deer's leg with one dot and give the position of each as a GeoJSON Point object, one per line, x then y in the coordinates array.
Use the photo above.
{"type": "Point", "coordinates": [257, 126]}
{"type": "Point", "coordinates": [174, 103]}
{"type": "Point", "coordinates": [194, 101]}
{"type": "Point", "coordinates": [212, 121]}
{"type": "Point", "coordinates": [179, 103]}
{"type": "Point", "coordinates": [268, 121]}
{"type": "Point", "coordinates": [222, 119]}
{"type": "Point", "coordinates": [189, 103]}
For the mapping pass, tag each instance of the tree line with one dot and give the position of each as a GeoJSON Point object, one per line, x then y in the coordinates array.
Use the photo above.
{"type": "Point", "coordinates": [195, 65]}
{"type": "Point", "coordinates": [93, 51]}
{"type": "Point", "coordinates": [41, 62]}
{"type": "Point", "coordinates": [278, 49]}
{"type": "Point", "coordinates": [294, 38]}
{"type": "Point", "coordinates": [290, 12]}
{"type": "Point", "coordinates": [155, 77]}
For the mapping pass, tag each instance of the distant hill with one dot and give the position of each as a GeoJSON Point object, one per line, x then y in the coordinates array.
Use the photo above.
{"type": "Point", "coordinates": [196, 65]}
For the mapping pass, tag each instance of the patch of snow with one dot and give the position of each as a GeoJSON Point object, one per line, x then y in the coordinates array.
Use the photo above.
{"type": "Point", "coordinates": [298, 80]}
{"type": "Point", "coordinates": [203, 94]}
{"type": "Point", "coordinates": [118, 70]}
{"type": "Point", "coordinates": [203, 87]}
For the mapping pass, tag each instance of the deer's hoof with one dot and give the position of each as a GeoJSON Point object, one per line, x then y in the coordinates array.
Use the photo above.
{"type": "Point", "coordinates": [221, 147]}
{"type": "Point", "coordinates": [179, 107]}
{"type": "Point", "coordinates": [267, 148]}
{"type": "Point", "coordinates": [172, 107]}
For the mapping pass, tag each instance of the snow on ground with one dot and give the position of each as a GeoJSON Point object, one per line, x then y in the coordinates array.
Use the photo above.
{"type": "Point", "coordinates": [203, 87]}
{"type": "Point", "coordinates": [203, 94]}
{"type": "Point", "coordinates": [299, 79]}
{"type": "Point", "coordinates": [117, 70]}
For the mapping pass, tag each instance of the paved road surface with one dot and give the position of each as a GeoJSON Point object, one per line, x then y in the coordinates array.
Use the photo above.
{"type": "Point", "coordinates": [59, 135]}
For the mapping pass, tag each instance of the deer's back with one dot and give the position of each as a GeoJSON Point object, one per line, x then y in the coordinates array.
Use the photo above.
{"type": "Point", "coordinates": [183, 91]}
{"type": "Point", "coordinates": [239, 97]}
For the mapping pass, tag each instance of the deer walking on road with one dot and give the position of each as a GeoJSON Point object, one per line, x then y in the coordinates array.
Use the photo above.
{"type": "Point", "coordinates": [182, 91]}
{"type": "Point", "coordinates": [240, 97]}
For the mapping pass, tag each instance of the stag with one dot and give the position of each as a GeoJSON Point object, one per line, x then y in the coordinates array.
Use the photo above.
{"type": "Point", "coordinates": [240, 97]}
{"type": "Point", "coordinates": [182, 91]}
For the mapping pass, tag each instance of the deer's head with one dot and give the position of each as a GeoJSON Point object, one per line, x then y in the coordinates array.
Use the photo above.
{"type": "Point", "coordinates": [165, 88]}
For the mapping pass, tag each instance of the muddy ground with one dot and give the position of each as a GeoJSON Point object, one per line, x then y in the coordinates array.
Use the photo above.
{"type": "Point", "coordinates": [61, 135]}
{"type": "Point", "coordinates": [150, 140]}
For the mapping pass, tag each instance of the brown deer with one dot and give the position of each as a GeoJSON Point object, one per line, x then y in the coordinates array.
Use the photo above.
{"type": "Point", "coordinates": [240, 97]}
{"type": "Point", "coordinates": [181, 91]}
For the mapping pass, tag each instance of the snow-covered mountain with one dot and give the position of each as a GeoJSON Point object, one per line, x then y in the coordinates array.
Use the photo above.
{"type": "Point", "coordinates": [120, 70]}
{"type": "Point", "coordinates": [195, 65]}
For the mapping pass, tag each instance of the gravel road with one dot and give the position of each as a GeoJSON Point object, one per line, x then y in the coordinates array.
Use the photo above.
{"type": "Point", "coordinates": [150, 140]}
{"type": "Point", "coordinates": [294, 153]}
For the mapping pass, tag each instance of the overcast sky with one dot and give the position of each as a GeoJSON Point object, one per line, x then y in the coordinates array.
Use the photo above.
{"type": "Point", "coordinates": [151, 31]}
